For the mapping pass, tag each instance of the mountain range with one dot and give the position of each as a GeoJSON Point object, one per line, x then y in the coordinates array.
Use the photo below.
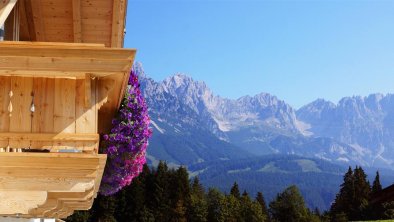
{"type": "Point", "coordinates": [220, 139]}
{"type": "Point", "coordinates": [357, 130]}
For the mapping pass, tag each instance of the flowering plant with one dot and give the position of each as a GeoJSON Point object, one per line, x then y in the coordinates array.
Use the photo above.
{"type": "Point", "coordinates": [126, 144]}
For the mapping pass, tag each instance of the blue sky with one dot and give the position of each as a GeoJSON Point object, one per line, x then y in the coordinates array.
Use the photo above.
{"type": "Point", "coordinates": [296, 50]}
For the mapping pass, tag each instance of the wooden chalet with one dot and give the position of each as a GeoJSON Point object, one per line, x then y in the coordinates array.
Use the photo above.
{"type": "Point", "coordinates": [63, 73]}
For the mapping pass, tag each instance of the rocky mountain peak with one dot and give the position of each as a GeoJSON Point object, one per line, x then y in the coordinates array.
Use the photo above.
{"type": "Point", "coordinates": [360, 129]}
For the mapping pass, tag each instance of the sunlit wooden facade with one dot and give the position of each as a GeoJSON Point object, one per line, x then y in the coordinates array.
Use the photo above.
{"type": "Point", "coordinates": [63, 73]}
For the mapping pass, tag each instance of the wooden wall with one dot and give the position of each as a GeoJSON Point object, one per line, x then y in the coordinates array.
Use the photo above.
{"type": "Point", "coordinates": [62, 119]}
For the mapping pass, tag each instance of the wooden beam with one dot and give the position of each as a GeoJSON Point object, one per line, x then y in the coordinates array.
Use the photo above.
{"type": "Point", "coordinates": [64, 137]}
{"type": "Point", "coordinates": [70, 64]}
{"type": "Point", "coordinates": [35, 21]}
{"type": "Point", "coordinates": [54, 44]}
{"type": "Point", "coordinates": [49, 172]}
{"type": "Point", "coordinates": [77, 24]}
{"type": "Point", "coordinates": [118, 23]}
{"type": "Point", "coordinates": [70, 182]}
{"type": "Point", "coordinates": [6, 7]}
{"type": "Point", "coordinates": [72, 196]}
{"type": "Point", "coordinates": [88, 91]}
{"type": "Point", "coordinates": [20, 201]}
{"type": "Point", "coordinates": [81, 142]}
{"type": "Point", "coordinates": [24, 30]}
{"type": "Point", "coordinates": [63, 60]}
{"type": "Point", "coordinates": [51, 160]}
{"type": "Point", "coordinates": [64, 50]}
{"type": "Point", "coordinates": [53, 74]}
{"type": "Point", "coordinates": [51, 183]}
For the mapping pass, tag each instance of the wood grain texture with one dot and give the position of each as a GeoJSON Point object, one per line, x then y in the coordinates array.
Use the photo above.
{"type": "Point", "coordinates": [86, 121]}
{"type": "Point", "coordinates": [77, 24]}
{"type": "Point", "coordinates": [34, 17]}
{"type": "Point", "coordinates": [21, 116]}
{"type": "Point", "coordinates": [43, 89]}
{"type": "Point", "coordinates": [5, 84]}
{"type": "Point", "coordinates": [118, 23]}
{"type": "Point", "coordinates": [64, 109]}
{"type": "Point", "coordinates": [69, 183]}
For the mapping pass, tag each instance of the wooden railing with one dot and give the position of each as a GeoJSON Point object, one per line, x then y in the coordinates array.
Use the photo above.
{"type": "Point", "coordinates": [63, 142]}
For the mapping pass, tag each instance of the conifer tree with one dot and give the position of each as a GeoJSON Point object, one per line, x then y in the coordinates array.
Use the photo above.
{"type": "Point", "coordinates": [179, 194]}
{"type": "Point", "coordinates": [197, 188]}
{"type": "Point", "coordinates": [377, 210]}
{"type": "Point", "coordinates": [235, 191]}
{"type": "Point", "coordinates": [342, 206]}
{"type": "Point", "coordinates": [104, 209]}
{"type": "Point", "coordinates": [245, 194]}
{"type": "Point", "coordinates": [289, 206]}
{"type": "Point", "coordinates": [376, 186]}
{"type": "Point", "coordinates": [261, 201]}
{"type": "Point", "coordinates": [198, 207]}
{"type": "Point", "coordinates": [232, 209]}
{"type": "Point", "coordinates": [362, 190]}
{"type": "Point", "coordinates": [161, 200]}
{"type": "Point", "coordinates": [216, 212]}
{"type": "Point", "coordinates": [179, 212]}
{"type": "Point", "coordinates": [250, 211]}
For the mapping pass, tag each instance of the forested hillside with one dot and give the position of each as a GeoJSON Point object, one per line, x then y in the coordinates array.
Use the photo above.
{"type": "Point", "coordinates": [164, 194]}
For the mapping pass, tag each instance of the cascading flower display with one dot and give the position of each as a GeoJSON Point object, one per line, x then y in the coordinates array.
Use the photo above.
{"type": "Point", "coordinates": [126, 144]}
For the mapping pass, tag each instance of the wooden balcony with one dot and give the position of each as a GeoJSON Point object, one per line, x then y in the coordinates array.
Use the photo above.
{"type": "Point", "coordinates": [63, 74]}
{"type": "Point", "coordinates": [48, 184]}
{"type": "Point", "coordinates": [55, 99]}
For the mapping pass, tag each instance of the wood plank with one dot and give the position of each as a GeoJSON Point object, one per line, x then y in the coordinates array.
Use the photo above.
{"type": "Point", "coordinates": [86, 116]}
{"type": "Point", "coordinates": [71, 53]}
{"type": "Point", "coordinates": [5, 83]}
{"type": "Point", "coordinates": [72, 161]}
{"type": "Point", "coordinates": [97, 4]}
{"type": "Point", "coordinates": [116, 24]}
{"type": "Point", "coordinates": [109, 100]}
{"type": "Point", "coordinates": [77, 24]}
{"type": "Point", "coordinates": [28, 13]}
{"type": "Point", "coordinates": [74, 200]}
{"type": "Point", "coordinates": [97, 13]}
{"type": "Point", "coordinates": [20, 201]}
{"type": "Point", "coordinates": [64, 111]}
{"type": "Point", "coordinates": [51, 74]}
{"type": "Point", "coordinates": [44, 89]}
{"type": "Point", "coordinates": [64, 106]}
{"type": "Point", "coordinates": [53, 44]}
{"type": "Point", "coordinates": [88, 91]}
{"type": "Point", "coordinates": [64, 206]}
{"type": "Point", "coordinates": [37, 172]}
{"type": "Point", "coordinates": [102, 162]}
{"type": "Point", "coordinates": [70, 64]}
{"type": "Point", "coordinates": [39, 211]}
{"type": "Point", "coordinates": [34, 16]}
{"type": "Point", "coordinates": [21, 116]}
{"type": "Point", "coordinates": [64, 50]}
{"type": "Point", "coordinates": [62, 183]}
{"type": "Point", "coordinates": [48, 184]}
{"type": "Point", "coordinates": [61, 137]}
{"type": "Point", "coordinates": [24, 32]}
{"type": "Point", "coordinates": [71, 195]}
